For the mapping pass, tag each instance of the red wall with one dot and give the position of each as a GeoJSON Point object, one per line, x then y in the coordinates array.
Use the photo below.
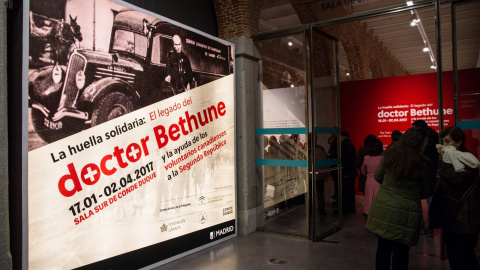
{"type": "Point", "coordinates": [379, 106]}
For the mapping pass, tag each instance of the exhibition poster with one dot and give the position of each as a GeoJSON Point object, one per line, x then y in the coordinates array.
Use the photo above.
{"type": "Point", "coordinates": [130, 137]}
{"type": "Point", "coordinates": [393, 103]}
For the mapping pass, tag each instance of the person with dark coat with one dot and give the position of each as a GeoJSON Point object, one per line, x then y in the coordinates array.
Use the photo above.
{"type": "Point", "coordinates": [406, 176]}
{"type": "Point", "coordinates": [395, 136]}
{"type": "Point", "coordinates": [349, 173]}
{"type": "Point", "coordinates": [432, 153]}
{"type": "Point", "coordinates": [332, 154]}
{"type": "Point", "coordinates": [458, 178]}
{"type": "Point", "coordinates": [179, 70]}
{"type": "Point", "coordinates": [320, 178]}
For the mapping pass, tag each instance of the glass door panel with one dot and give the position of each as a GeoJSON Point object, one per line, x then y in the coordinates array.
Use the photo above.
{"type": "Point", "coordinates": [282, 134]}
{"type": "Point", "coordinates": [466, 40]}
{"type": "Point", "coordinates": [326, 217]}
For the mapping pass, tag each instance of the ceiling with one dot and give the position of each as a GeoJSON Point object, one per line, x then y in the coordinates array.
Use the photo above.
{"type": "Point", "coordinates": [402, 40]}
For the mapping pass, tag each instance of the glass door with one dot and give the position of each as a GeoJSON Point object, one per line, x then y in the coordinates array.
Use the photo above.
{"type": "Point", "coordinates": [298, 189]}
{"type": "Point", "coordinates": [283, 134]}
{"type": "Point", "coordinates": [325, 140]}
{"type": "Point", "coordinates": [465, 39]}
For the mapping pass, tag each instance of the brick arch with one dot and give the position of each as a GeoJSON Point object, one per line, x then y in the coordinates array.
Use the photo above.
{"type": "Point", "coordinates": [323, 61]}
{"type": "Point", "coordinates": [354, 57]}
{"type": "Point", "coordinates": [237, 18]}
{"type": "Point", "coordinates": [311, 11]}
{"type": "Point", "coordinates": [365, 54]}
{"type": "Point", "coordinates": [376, 68]}
{"type": "Point", "coordinates": [275, 70]}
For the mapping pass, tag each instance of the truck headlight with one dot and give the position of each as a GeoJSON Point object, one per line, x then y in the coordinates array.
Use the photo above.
{"type": "Point", "coordinates": [80, 79]}
{"type": "Point", "coordinates": [57, 74]}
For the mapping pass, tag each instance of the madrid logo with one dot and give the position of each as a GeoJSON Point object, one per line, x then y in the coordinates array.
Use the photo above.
{"type": "Point", "coordinates": [221, 232]}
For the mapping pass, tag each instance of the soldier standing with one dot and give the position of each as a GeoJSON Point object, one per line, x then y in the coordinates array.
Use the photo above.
{"type": "Point", "coordinates": [179, 71]}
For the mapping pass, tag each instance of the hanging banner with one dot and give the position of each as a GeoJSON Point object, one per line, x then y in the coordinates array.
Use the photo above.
{"type": "Point", "coordinates": [130, 137]}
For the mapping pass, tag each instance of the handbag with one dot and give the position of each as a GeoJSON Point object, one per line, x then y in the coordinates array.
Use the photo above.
{"type": "Point", "coordinates": [444, 208]}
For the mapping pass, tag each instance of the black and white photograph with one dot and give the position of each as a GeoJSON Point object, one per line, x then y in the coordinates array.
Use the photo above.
{"type": "Point", "coordinates": [93, 61]}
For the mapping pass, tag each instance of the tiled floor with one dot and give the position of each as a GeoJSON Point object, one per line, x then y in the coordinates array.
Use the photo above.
{"type": "Point", "coordinates": [350, 248]}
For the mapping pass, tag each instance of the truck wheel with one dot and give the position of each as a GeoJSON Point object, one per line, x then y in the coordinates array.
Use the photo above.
{"type": "Point", "coordinates": [111, 106]}
{"type": "Point", "coordinates": [45, 133]}
{"type": "Point", "coordinates": [64, 128]}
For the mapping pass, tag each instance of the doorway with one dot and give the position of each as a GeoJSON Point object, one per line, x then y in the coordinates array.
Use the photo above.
{"type": "Point", "coordinates": [297, 132]}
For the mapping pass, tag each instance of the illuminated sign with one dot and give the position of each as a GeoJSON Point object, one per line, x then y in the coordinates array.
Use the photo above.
{"type": "Point", "coordinates": [131, 140]}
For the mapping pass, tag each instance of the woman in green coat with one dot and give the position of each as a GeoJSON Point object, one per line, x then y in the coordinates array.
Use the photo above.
{"type": "Point", "coordinates": [406, 176]}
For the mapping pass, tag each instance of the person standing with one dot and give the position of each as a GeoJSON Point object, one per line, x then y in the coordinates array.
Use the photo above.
{"type": "Point", "coordinates": [459, 181]}
{"type": "Point", "coordinates": [396, 134]}
{"type": "Point", "coordinates": [179, 70]}
{"type": "Point", "coordinates": [370, 164]}
{"type": "Point", "coordinates": [406, 176]}
{"type": "Point", "coordinates": [362, 152]}
{"type": "Point", "coordinates": [349, 173]}
{"type": "Point", "coordinates": [320, 178]}
{"type": "Point", "coordinates": [432, 153]}
{"type": "Point", "coordinates": [332, 154]}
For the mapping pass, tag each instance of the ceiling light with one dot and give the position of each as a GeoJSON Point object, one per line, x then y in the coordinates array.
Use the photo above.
{"type": "Point", "coordinates": [415, 18]}
{"type": "Point", "coordinates": [347, 72]}
{"type": "Point", "coordinates": [409, 3]}
{"type": "Point", "coordinates": [290, 43]}
{"type": "Point", "coordinates": [414, 22]}
{"type": "Point", "coordinates": [292, 85]}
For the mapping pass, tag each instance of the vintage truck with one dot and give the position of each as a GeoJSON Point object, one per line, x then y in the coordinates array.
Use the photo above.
{"type": "Point", "coordinates": [95, 87]}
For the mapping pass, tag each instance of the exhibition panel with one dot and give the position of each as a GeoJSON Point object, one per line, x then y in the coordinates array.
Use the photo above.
{"type": "Point", "coordinates": [131, 137]}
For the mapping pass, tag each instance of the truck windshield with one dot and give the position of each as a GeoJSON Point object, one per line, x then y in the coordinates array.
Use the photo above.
{"type": "Point", "coordinates": [130, 42]}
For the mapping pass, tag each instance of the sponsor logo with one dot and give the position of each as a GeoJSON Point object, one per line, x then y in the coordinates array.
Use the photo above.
{"type": "Point", "coordinates": [176, 222]}
{"type": "Point", "coordinates": [221, 232]}
{"type": "Point", "coordinates": [202, 218]}
{"type": "Point", "coordinates": [175, 225]}
{"type": "Point", "coordinates": [215, 199]}
{"type": "Point", "coordinates": [228, 210]}
{"type": "Point", "coordinates": [164, 228]}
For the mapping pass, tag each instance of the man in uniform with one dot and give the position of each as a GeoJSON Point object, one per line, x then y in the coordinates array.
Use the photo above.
{"type": "Point", "coordinates": [179, 71]}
